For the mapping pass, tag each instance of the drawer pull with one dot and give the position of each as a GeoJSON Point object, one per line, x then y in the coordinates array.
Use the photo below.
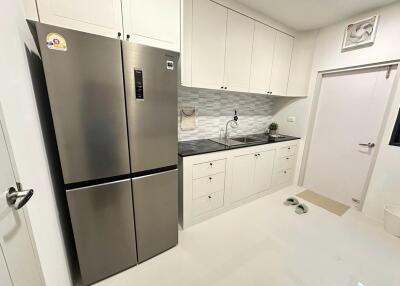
{"type": "Point", "coordinates": [287, 158]}
{"type": "Point", "coordinates": [210, 178]}
{"type": "Point", "coordinates": [210, 164]}
{"type": "Point", "coordinates": [209, 197]}
{"type": "Point", "coordinates": [284, 172]}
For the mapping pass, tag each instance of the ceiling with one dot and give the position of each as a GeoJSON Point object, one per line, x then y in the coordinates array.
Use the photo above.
{"type": "Point", "coordinates": [304, 15]}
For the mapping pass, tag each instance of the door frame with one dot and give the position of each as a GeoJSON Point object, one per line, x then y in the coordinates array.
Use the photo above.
{"type": "Point", "coordinates": [24, 214]}
{"type": "Point", "coordinates": [313, 118]}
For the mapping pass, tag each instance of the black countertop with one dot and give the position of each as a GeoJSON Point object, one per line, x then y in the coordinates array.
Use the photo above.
{"type": "Point", "coordinates": [203, 146]}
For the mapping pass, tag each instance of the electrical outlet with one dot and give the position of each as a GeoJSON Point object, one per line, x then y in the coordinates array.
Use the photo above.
{"type": "Point", "coordinates": [291, 119]}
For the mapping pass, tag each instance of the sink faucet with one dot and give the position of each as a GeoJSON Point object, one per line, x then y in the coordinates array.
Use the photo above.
{"type": "Point", "coordinates": [233, 123]}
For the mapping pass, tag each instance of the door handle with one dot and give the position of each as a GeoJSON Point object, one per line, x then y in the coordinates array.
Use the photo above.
{"type": "Point", "coordinates": [13, 195]}
{"type": "Point", "coordinates": [369, 145]}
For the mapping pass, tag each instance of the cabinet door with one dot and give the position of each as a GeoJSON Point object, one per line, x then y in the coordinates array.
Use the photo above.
{"type": "Point", "coordinates": [153, 22]}
{"type": "Point", "coordinates": [263, 170]}
{"type": "Point", "coordinates": [208, 44]}
{"type": "Point", "coordinates": [239, 43]}
{"type": "Point", "coordinates": [281, 65]}
{"type": "Point", "coordinates": [263, 54]}
{"type": "Point", "coordinates": [243, 177]}
{"type": "Point", "coordinates": [102, 17]}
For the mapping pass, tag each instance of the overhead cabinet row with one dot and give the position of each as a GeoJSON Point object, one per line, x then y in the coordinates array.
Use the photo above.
{"type": "Point", "coordinates": [223, 49]}
{"type": "Point", "coordinates": [150, 22]}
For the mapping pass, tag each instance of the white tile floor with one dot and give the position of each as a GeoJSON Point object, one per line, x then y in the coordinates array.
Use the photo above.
{"type": "Point", "coordinates": [266, 243]}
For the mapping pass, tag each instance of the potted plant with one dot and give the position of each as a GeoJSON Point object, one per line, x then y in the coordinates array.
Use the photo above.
{"type": "Point", "coordinates": [273, 128]}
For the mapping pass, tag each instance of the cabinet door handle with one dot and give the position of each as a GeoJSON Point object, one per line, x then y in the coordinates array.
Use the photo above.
{"type": "Point", "coordinates": [211, 164]}
{"type": "Point", "coordinates": [225, 87]}
{"type": "Point", "coordinates": [209, 197]}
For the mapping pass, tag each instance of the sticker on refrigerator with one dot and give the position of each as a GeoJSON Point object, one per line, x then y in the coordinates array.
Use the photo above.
{"type": "Point", "coordinates": [170, 65]}
{"type": "Point", "coordinates": [56, 42]}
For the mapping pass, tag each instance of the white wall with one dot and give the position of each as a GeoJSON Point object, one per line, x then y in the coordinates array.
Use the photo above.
{"type": "Point", "coordinates": [22, 121]}
{"type": "Point", "coordinates": [328, 55]}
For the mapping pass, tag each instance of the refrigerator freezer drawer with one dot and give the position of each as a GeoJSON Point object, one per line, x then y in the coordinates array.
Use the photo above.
{"type": "Point", "coordinates": [103, 226]}
{"type": "Point", "coordinates": [155, 200]}
{"type": "Point", "coordinates": [86, 93]}
{"type": "Point", "coordinates": [151, 102]}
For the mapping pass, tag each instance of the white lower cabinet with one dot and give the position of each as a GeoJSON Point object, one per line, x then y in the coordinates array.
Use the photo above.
{"type": "Point", "coordinates": [243, 177]}
{"type": "Point", "coordinates": [263, 170]}
{"type": "Point", "coordinates": [252, 173]}
{"type": "Point", "coordinates": [208, 203]}
{"type": "Point", "coordinates": [210, 184]}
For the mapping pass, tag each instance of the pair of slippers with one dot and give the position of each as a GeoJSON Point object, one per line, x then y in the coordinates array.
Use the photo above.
{"type": "Point", "coordinates": [300, 208]}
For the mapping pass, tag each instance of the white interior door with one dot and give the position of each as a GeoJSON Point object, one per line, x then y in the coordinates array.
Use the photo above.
{"type": "Point", "coordinates": [350, 112]}
{"type": "Point", "coordinates": [18, 263]}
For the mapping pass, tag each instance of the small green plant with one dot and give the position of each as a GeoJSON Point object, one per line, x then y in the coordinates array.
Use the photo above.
{"type": "Point", "coordinates": [273, 126]}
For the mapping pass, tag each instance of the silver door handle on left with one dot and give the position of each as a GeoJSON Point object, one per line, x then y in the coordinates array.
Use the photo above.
{"type": "Point", "coordinates": [13, 195]}
{"type": "Point", "coordinates": [369, 145]}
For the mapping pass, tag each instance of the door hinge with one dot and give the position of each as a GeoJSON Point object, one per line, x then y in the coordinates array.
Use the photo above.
{"type": "Point", "coordinates": [388, 71]}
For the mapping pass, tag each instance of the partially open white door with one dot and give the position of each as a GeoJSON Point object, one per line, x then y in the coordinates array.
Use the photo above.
{"type": "Point", "coordinates": [348, 121]}
{"type": "Point", "coordinates": [18, 264]}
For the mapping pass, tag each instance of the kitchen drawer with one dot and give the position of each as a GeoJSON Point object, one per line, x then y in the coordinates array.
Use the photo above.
{"type": "Point", "coordinates": [282, 177]}
{"type": "Point", "coordinates": [208, 168]}
{"type": "Point", "coordinates": [208, 185]}
{"type": "Point", "coordinates": [207, 203]}
{"type": "Point", "coordinates": [287, 151]}
{"type": "Point", "coordinates": [285, 163]}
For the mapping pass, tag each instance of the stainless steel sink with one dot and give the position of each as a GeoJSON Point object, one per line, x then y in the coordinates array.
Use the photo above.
{"type": "Point", "coordinates": [246, 139]}
{"type": "Point", "coordinates": [236, 140]}
{"type": "Point", "coordinates": [227, 142]}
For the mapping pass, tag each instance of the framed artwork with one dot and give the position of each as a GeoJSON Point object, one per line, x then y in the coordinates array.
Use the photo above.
{"type": "Point", "coordinates": [360, 34]}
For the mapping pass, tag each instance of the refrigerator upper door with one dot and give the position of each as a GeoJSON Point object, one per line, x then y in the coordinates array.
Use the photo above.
{"type": "Point", "coordinates": [85, 85]}
{"type": "Point", "coordinates": [151, 99]}
{"type": "Point", "coordinates": [103, 224]}
{"type": "Point", "coordinates": [155, 200]}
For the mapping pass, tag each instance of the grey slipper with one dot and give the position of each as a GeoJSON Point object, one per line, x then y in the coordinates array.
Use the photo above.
{"type": "Point", "coordinates": [301, 209]}
{"type": "Point", "coordinates": [291, 201]}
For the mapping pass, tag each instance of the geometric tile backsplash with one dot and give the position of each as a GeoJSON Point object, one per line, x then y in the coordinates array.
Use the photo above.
{"type": "Point", "coordinates": [215, 108]}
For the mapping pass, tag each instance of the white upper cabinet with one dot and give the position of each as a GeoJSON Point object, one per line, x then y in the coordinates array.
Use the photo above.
{"type": "Point", "coordinates": [208, 44]}
{"type": "Point", "coordinates": [153, 22]}
{"type": "Point", "coordinates": [263, 54]}
{"type": "Point", "coordinates": [281, 64]}
{"type": "Point", "coordinates": [224, 49]}
{"type": "Point", "coordinates": [102, 17]}
{"type": "Point", "coordinates": [239, 44]}
{"type": "Point", "coordinates": [149, 22]}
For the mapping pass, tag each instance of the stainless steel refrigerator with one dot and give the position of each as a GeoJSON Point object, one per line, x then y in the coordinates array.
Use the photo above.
{"type": "Point", "coordinates": [114, 110]}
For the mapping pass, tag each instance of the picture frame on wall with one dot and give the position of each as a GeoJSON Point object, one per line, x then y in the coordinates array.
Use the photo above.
{"type": "Point", "coordinates": [360, 34]}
